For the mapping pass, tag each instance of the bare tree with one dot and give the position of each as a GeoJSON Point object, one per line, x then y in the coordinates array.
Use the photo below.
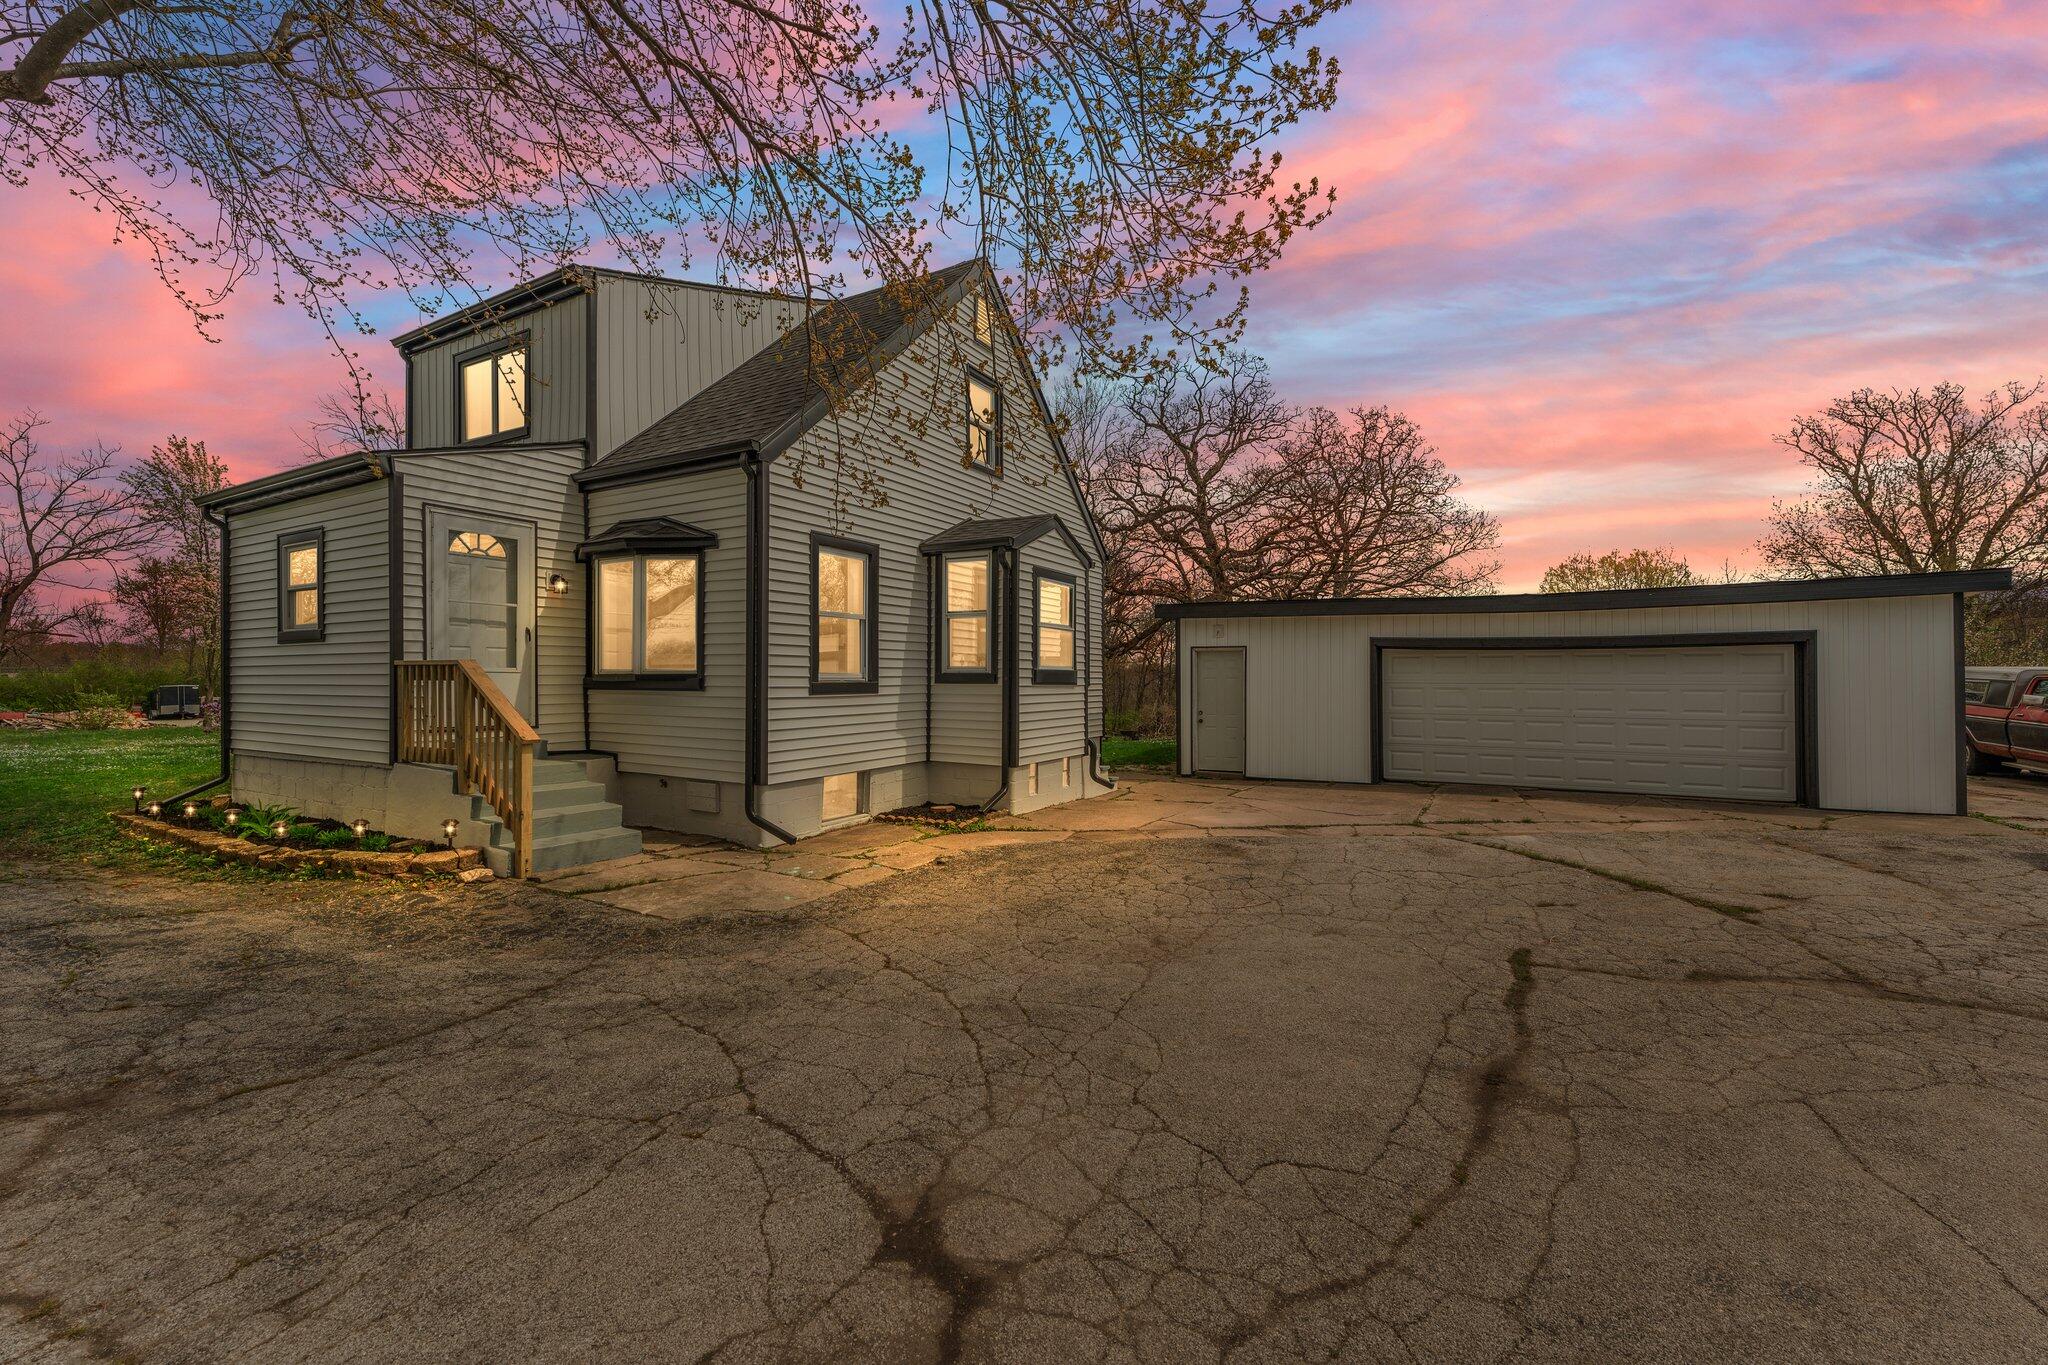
{"type": "Point", "coordinates": [173, 597]}
{"type": "Point", "coordinates": [1115, 161]}
{"type": "Point", "coordinates": [57, 518]}
{"type": "Point", "coordinates": [1622, 569]}
{"type": "Point", "coordinates": [1365, 507]}
{"type": "Point", "coordinates": [354, 418]}
{"type": "Point", "coordinates": [1917, 481]}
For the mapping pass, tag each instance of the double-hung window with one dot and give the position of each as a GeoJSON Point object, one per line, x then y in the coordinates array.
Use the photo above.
{"type": "Point", "coordinates": [966, 618]}
{"type": "Point", "coordinates": [984, 321]}
{"type": "Point", "coordinates": [301, 586]}
{"type": "Point", "coordinates": [491, 392]}
{"type": "Point", "coordinates": [650, 618]}
{"type": "Point", "coordinates": [842, 615]}
{"type": "Point", "coordinates": [984, 424]}
{"type": "Point", "coordinates": [1054, 661]}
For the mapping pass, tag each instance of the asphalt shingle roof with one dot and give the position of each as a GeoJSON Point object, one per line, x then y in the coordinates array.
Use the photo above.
{"type": "Point", "coordinates": [774, 386]}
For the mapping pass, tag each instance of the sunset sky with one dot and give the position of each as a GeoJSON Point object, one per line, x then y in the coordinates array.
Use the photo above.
{"type": "Point", "coordinates": [1601, 251]}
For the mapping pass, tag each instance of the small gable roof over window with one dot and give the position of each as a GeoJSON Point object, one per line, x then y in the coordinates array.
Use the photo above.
{"type": "Point", "coordinates": [647, 535]}
{"type": "Point", "coordinates": [1009, 533]}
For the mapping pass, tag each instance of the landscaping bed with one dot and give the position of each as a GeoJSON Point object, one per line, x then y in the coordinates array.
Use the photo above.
{"type": "Point", "coordinates": [323, 844]}
{"type": "Point", "coordinates": [941, 815]}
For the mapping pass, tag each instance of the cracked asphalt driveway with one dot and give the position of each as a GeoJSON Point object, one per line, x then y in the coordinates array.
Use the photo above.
{"type": "Point", "coordinates": [1472, 1093]}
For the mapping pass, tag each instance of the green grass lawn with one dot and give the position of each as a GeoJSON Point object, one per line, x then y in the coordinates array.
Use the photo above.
{"type": "Point", "coordinates": [56, 786]}
{"type": "Point", "coordinates": [1139, 753]}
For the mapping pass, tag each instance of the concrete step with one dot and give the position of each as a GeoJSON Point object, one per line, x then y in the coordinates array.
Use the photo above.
{"type": "Point", "coordinates": [567, 850]}
{"type": "Point", "coordinates": [554, 795]}
{"type": "Point", "coordinates": [592, 815]}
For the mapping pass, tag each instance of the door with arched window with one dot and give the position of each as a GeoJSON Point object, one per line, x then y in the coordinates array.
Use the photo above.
{"type": "Point", "coordinates": [480, 586]}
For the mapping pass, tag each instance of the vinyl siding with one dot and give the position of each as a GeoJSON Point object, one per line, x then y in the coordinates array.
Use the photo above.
{"type": "Point", "coordinates": [1884, 676]}
{"type": "Point", "coordinates": [521, 483]}
{"type": "Point", "coordinates": [899, 444]}
{"type": "Point", "coordinates": [557, 384]}
{"type": "Point", "coordinates": [329, 698]}
{"type": "Point", "coordinates": [659, 344]}
{"type": "Point", "coordinates": [1051, 722]}
{"type": "Point", "coordinates": [687, 734]}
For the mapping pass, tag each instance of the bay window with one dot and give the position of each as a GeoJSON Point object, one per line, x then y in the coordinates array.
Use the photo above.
{"type": "Point", "coordinates": [1054, 660]}
{"type": "Point", "coordinates": [966, 618]}
{"type": "Point", "coordinates": [649, 618]}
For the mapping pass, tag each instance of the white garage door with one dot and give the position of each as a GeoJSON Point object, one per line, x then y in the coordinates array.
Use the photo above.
{"type": "Point", "coordinates": [1716, 721]}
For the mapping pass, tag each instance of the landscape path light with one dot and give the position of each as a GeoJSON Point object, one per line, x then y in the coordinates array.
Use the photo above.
{"type": "Point", "coordinates": [156, 808]}
{"type": "Point", "coordinates": [138, 794]}
{"type": "Point", "coordinates": [448, 827]}
{"type": "Point", "coordinates": [280, 829]}
{"type": "Point", "coordinates": [359, 827]}
{"type": "Point", "coordinates": [191, 810]}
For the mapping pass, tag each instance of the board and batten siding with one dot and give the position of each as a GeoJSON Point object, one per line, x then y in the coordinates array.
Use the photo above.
{"type": "Point", "coordinates": [1052, 720]}
{"type": "Point", "coordinates": [659, 344]}
{"type": "Point", "coordinates": [328, 698]}
{"type": "Point", "coordinates": [909, 430]}
{"type": "Point", "coordinates": [557, 368]}
{"type": "Point", "coordinates": [686, 734]}
{"type": "Point", "coordinates": [1884, 678]}
{"type": "Point", "coordinates": [509, 483]}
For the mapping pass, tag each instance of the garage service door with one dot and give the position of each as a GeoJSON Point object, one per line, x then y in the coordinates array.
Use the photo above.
{"type": "Point", "coordinates": [1714, 721]}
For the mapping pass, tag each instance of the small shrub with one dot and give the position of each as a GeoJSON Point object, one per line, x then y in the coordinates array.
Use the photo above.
{"type": "Point", "coordinates": [1122, 724]}
{"type": "Point", "coordinates": [99, 718]}
{"type": "Point", "coordinates": [97, 701]}
{"type": "Point", "coordinates": [306, 833]}
{"type": "Point", "coordinates": [263, 817]}
{"type": "Point", "coordinates": [334, 838]}
{"type": "Point", "coordinates": [377, 843]}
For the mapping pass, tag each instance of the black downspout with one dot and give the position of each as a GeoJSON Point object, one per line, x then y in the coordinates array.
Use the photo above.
{"type": "Point", "coordinates": [1006, 650]}
{"type": "Point", "coordinates": [1088, 659]}
{"type": "Point", "coordinates": [931, 663]}
{"type": "Point", "coordinates": [757, 646]}
{"type": "Point", "coordinates": [222, 775]}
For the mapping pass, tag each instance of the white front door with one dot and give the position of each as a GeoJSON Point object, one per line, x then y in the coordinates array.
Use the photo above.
{"type": "Point", "coordinates": [480, 598]}
{"type": "Point", "coordinates": [1219, 710]}
{"type": "Point", "coordinates": [1708, 721]}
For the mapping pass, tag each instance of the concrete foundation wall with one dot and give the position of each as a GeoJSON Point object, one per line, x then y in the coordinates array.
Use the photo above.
{"type": "Point", "coordinates": [406, 800]}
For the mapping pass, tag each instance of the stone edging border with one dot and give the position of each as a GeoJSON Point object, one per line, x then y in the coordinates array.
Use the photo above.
{"type": "Point", "coordinates": [464, 863]}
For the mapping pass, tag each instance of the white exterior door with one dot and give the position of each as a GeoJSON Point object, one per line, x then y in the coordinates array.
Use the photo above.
{"type": "Point", "coordinates": [1219, 711]}
{"type": "Point", "coordinates": [480, 598]}
{"type": "Point", "coordinates": [1708, 721]}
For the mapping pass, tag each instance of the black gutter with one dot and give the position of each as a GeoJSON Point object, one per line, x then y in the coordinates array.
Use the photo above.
{"type": "Point", "coordinates": [1006, 650]}
{"type": "Point", "coordinates": [563, 283]}
{"type": "Point", "coordinates": [646, 471]}
{"type": "Point", "coordinates": [326, 477]}
{"type": "Point", "coordinates": [1622, 599]}
{"type": "Point", "coordinates": [757, 647]}
{"type": "Point", "coordinates": [225, 619]}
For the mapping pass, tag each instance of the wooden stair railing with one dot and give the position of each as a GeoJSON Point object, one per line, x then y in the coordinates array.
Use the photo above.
{"type": "Point", "coordinates": [449, 711]}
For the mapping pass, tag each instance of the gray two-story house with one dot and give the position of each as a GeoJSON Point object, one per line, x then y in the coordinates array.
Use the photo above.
{"type": "Point", "coordinates": [670, 555]}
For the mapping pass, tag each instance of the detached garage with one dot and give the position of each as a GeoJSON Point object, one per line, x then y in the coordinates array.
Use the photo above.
{"type": "Point", "coordinates": [1843, 693]}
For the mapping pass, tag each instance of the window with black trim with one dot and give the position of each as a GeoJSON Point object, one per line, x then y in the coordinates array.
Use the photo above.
{"type": "Point", "coordinates": [842, 615]}
{"type": "Point", "coordinates": [491, 392]}
{"type": "Point", "coordinates": [302, 586]}
{"type": "Point", "coordinates": [649, 618]}
{"type": "Point", "coordinates": [1054, 661]}
{"type": "Point", "coordinates": [967, 618]}
{"type": "Point", "coordinates": [984, 423]}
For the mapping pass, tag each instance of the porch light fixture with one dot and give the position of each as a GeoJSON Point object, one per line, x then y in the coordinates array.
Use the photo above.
{"type": "Point", "coordinates": [359, 827]}
{"type": "Point", "coordinates": [156, 808]}
{"type": "Point", "coordinates": [448, 827]}
{"type": "Point", "coordinates": [557, 585]}
{"type": "Point", "coordinates": [138, 795]}
{"type": "Point", "coordinates": [191, 810]}
{"type": "Point", "coordinates": [280, 829]}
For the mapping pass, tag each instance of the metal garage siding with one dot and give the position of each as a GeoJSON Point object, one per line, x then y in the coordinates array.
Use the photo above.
{"type": "Point", "coordinates": [908, 429]}
{"type": "Point", "coordinates": [328, 698]}
{"type": "Point", "coordinates": [660, 344]}
{"type": "Point", "coordinates": [557, 369]}
{"type": "Point", "coordinates": [686, 734]}
{"type": "Point", "coordinates": [520, 483]}
{"type": "Point", "coordinates": [1307, 685]}
{"type": "Point", "coordinates": [1884, 674]}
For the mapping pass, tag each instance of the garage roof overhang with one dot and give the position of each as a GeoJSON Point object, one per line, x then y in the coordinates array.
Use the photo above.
{"type": "Point", "coordinates": [1704, 595]}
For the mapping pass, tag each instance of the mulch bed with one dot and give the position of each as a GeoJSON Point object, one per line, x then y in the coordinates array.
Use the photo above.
{"type": "Point", "coordinates": [408, 858]}
{"type": "Point", "coordinates": [949, 817]}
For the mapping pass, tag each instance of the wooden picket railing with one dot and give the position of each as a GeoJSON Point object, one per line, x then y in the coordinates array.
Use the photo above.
{"type": "Point", "coordinates": [449, 711]}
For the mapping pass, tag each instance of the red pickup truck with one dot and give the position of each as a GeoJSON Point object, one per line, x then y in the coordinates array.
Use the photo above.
{"type": "Point", "coordinates": [2005, 712]}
